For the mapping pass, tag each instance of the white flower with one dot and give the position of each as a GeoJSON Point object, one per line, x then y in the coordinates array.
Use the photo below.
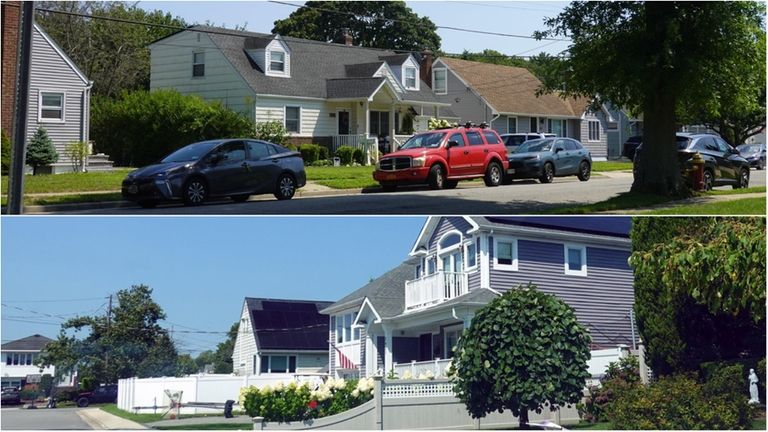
{"type": "Point", "coordinates": [279, 386]}
{"type": "Point", "coordinates": [355, 393]}
{"type": "Point", "coordinates": [339, 384]}
{"type": "Point", "coordinates": [407, 375]}
{"type": "Point", "coordinates": [429, 375]}
{"type": "Point", "coordinates": [266, 389]}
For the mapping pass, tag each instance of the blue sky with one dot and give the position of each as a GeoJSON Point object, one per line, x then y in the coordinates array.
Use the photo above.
{"type": "Point", "coordinates": [199, 268]}
{"type": "Point", "coordinates": [511, 17]}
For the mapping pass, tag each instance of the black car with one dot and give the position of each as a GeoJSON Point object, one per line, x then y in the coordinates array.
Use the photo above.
{"type": "Point", "coordinates": [630, 145]}
{"type": "Point", "coordinates": [235, 168]}
{"type": "Point", "coordinates": [754, 154]}
{"type": "Point", "coordinates": [723, 165]}
{"type": "Point", "coordinates": [103, 394]}
{"type": "Point", "coordinates": [548, 158]}
{"type": "Point", "coordinates": [10, 396]}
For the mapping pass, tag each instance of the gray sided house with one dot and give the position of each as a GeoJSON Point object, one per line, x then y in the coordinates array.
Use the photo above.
{"type": "Point", "coordinates": [281, 336]}
{"type": "Point", "coordinates": [325, 93]}
{"type": "Point", "coordinates": [628, 125]}
{"type": "Point", "coordinates": [416, 311]}
{"type": "Point", "coordinates": [505, 98]}
{"type": "Point", "coordinates": [59, 97]}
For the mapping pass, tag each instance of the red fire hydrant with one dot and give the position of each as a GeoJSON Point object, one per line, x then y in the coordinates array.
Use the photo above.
{"type": "Point", "coordinates": [697, 172]}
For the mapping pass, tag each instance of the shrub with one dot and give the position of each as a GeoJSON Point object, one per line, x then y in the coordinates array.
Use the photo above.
{"type": "Point", "coordinates": [272, 131]}
{"type": "Point", "coordinates": [357, 156]}
{"type": "Point", "coordinates": [345, 154]}
{"type": "Point", "coordinates": [5, 153]}
{"type": "Point", "coordinates": [677, 402]}
{"type": "Point", "coordinates": [620, 377]}
{"type": "Point", "coordinates": [291, 147]}
{"type": "Point", "coordinates": [324, 153]}
{"type": "Point", "coordinates": [40, 150]}
{"type": "Point", "coordinates": [77, 152]}
{"type": "Point", "coordinates": [141, 127]}
{"type": "Point", "coordinates": [310, 152]}
{"type": "Point", "coordinates": [63, 394]}
{"type": "Point", "coordinates": [320, 163]}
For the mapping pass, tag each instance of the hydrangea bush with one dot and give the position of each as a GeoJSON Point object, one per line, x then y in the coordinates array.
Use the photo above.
{"type": "Point", "coordinates": [294, 402]}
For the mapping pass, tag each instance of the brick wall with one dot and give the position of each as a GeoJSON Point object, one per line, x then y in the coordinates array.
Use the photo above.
{"type": "Point", "coordinates": [8, 57]}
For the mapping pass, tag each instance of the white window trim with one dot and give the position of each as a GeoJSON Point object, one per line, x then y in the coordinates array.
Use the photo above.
{"type": "Point", "coordinates": [512, 118]}
{"type": "Point", "coordinates": [434, 73]}
{"type": "Point", "coordinates": [192, 72]}
{"type": "Point", "coordinates": [269, 62]}
{"type": "Point", "coordinates": [346, 339]}
{"type": "Point", "coordinates": [472, 241]}
{"type": "Point", "coordinates": [40, 118]}
{"type": "Point", "coordinates": [415, 85]}
{"type": "Point", "coordinates": [583, 249]}
{"type": "Point", "coordinates": [442, 250]}
{"type": "Point", "coordinates": [285, 118]}
{"type": "Point", "coordinates": [504, 239]}
{"type": "Point", "coordinates": [597, 130]}
{"type": "Point", "coordinates": [269, 362]}
{"type": "Point", "coordinates": [427, 259]}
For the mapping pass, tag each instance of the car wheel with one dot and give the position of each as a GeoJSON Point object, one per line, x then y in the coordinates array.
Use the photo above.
{"type": "Point", "coordinates": [548, 173]}
{"type": "Point", "coordinates": [195, 191]}
{"type": "Point", "coordinates": [83, 402]}
{"type": "Point", "coordinates": [585, 171]}
{"type": "Point", "coordinates": [148, 204]}
{"type": "Point", "coordinates": [286, 187]}
{"type": "Point", "coordinates": [436, 177]}
{"type": "Point", "coordinates": [493, 174]}
{"type": "Point", "coordinates": [451, 184]}
{"type": "Point", "coordinates": [388, 187]}
{"type": "Point", "coordinates": [240, 198]}
{"type": "Point", "coordinates": [709, 180]}
{"type": "Point", "coordinates": [743, 180]}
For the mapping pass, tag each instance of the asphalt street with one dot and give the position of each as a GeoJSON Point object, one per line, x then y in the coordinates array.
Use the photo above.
{"type": "Point", "coordinates": [521, 197]}
{"type": "Point", "coordinates": [17, 418]}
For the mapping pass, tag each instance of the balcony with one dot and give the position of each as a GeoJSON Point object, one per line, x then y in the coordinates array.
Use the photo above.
{"type": "Point", "coordinates": [433, 289]}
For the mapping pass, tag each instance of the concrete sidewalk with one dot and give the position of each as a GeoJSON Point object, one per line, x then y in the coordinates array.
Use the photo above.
{"type": "Point", "coordinates": [102, 420]}
{"type": "Point", "coordinates": [193, 421]}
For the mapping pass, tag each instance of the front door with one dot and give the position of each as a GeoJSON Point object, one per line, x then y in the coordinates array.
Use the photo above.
{"type": "Point", "coordinates": [343, 122]}
{"type": "Point", "coordinates": [452, 267]}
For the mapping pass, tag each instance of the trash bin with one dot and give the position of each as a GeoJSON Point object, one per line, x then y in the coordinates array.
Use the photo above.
{"type": "Point", "coordinates": [336, 161]}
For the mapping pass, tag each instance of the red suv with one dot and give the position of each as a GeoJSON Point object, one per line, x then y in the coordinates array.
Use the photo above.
{"type": "Point", "coordinates": [442, 157]}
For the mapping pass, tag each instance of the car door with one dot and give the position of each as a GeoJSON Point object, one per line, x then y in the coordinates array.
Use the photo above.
{"type": "Point", "coordinates": [561, 158]}
{"type": "Point", "coordinates": [227, 171]}
{"type": "Point", "coordinates": [263, 166]}
{"type": "Point", "coordinates": [729, 167]}
{"type": "Point", "coordinates": [459, 162]}
{"type": "Point", "coordinates": [476, 151]}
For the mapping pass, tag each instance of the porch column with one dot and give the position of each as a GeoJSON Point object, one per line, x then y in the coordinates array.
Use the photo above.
{"type": "Point", "coordinates": [367, 110]}
{"type": "Point", "coordinates": [371, 353]}
{"type": "Point", "coordinates": [485, 261]}
{"type": "Point", "coordinates": [392, 128]}
{"type": "Point", "coordinates": [387, 350]}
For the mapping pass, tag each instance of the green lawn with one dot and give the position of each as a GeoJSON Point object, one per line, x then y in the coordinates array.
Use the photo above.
{"type": "Point", "coordinates": [623, 201]}
{"type": "Point", "coordinates": [599, 166]}
{"type": "Point", "coordinates": [71, 182]}
{"type": "Point", "coordinates": [353, 177]}
{"type": "Point", "coordinates": [138, 418]}
{"type": "Point", "coordinates": [758, 424]}
{"type": "Point", "coordinates": [756, 189]}
{"type": "Point", "coordinates": [745, 206]}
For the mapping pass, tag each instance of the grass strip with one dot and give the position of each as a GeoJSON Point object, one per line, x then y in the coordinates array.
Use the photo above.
{"type": "Point", "coordinates": [71, 182]}
{"type": "Point", "coordinates": [138, 418]}
{"type": "Point", "coordinates": [745, 206]}
{"type": "Point", "coordinates": [623, 201]}
{"type": "Point", "coordinates": [598, 166]}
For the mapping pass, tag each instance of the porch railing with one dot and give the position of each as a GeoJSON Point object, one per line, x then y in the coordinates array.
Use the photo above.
{"type": "Point", "coordinates": [436, 368]}
{"type": "Point", "coordinates": [433, 289]}
{"type": "Point", "coordinates": [368, 145]}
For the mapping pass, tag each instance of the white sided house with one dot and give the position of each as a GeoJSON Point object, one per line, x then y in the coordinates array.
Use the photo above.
{"type": "Point", "coordinates": [281, 337]}
{"type": "Point", "coordinates": [410, 318]}
{"type": "Point", "coordinates": [325, 93]}
{"type": "Point", "coordinates": [18, 363]}
{"type": "Point", "coordinates": [59, 97]}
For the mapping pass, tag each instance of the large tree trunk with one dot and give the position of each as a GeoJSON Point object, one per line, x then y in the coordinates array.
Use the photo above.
{"type": "Point", "coordinates": [524, 419]}
{"type": "Point", "coordinates": [658, 168]}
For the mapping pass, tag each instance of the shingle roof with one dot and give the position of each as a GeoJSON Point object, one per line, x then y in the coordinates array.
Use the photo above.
{"type": "Point", "coordinates": [30, 343]}
{"type": "Point", "coordinates": [513, 90]}
{"type": "Point", "coordinates": [362, 70]}
{"type": "Point", "coordinates": [340, 88]}
{"type": "Point", "coordinates": [611, 226]}
{"type": "Point", "coordinates": [396, 59]}
{"type": "Point", "coordinates": [292, 325]}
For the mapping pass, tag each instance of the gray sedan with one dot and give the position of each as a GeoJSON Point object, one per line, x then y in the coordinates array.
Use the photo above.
{"type": "Point", "coordinates": [548, 158]}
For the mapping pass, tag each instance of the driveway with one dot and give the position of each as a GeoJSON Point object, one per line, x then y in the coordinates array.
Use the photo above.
{"type": "Point", "coordinates": [42, 419]}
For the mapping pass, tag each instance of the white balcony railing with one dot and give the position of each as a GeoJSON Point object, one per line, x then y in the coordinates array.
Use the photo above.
{"type": "Point", "coordinates": [433, 289]}
{"type": "Point", "coordinates": [413, 370]}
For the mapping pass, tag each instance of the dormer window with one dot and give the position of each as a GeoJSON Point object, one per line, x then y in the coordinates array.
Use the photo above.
{"type": "Point", "coordinates": [410, 78]}
{"type": "Point", "coordinates": [277, 61]}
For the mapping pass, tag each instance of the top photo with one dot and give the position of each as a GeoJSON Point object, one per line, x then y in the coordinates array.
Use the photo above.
{"type": "Point", "coordinates": [383, 108]}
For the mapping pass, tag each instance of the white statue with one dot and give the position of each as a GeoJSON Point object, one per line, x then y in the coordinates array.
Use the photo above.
{"type": "Point", "coordinates": [754, 398]}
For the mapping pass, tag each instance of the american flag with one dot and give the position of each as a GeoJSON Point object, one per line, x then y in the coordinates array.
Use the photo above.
{"type": "Point", "coordinates": [344, 361]}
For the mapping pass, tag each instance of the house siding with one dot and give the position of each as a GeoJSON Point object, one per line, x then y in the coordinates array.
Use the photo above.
{"type": "Point", "coordinates": [245, 345]}
{"type": "Point", "coordinates": [470, 106]}
{"type": "Point", "coordinates": [598, 149]}
{"type": "Point", "coordinates": [50, 72]}
{"type": "Point", "coordinates": [445, 225]}
{"type": "Point", "coordinates": [315, 118]}
{"type": "Point", "coordinates": [171, 68]}
{"type": "Point", "coordinates": [602, 300]}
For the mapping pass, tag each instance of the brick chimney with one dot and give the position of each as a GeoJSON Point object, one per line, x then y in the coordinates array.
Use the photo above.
{"type": "Point", "coordinates": [10, 37]}
{"type": "Point", "coordinates": [426, 66]}
{"type": "Point", "coordinates": [346, 36]}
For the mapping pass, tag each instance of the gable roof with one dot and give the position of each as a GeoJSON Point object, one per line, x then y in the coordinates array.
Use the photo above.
{"type": "Point", "coordinates": [512, 90]}
{"type": "Point", "coordinates": [291, 325]}
{"type": "Point", "coordinates": [395, 59]}
{"type": "Point", "coordinates": [35, 342]}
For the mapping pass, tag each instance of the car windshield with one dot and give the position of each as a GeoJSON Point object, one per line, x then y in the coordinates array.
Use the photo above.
{"type": "Point", "coordinates": [538, 145]}
{"type": "Point", "coordinates": [747, 149]}
{"type": "Point", "coordinates": [426, 140]}
{"type": "Point", "coordinates": [514, 140]}
{"type": "Point", "coordinates": [190, 153]}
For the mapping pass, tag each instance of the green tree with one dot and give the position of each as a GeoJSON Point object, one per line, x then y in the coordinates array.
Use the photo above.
{"type": "Point", "coordinates": [40, 150]}
{"type": "Point", "coordinates": [694, 300]}
{"type": "Point", "coordinates": [662, 58]}
{"type": "Point", "coordinates": [272, 131]}
{"type": "Point", "coordinates": [128, 342]}
{"type": "Point", "coordinates": [114, 55]}
{"type": "Point", "coordinates": [185, 365]}
{"type": "Point", "coordinates": [381, 24]}
{"type": "Point", "coordinates": [523, 350]}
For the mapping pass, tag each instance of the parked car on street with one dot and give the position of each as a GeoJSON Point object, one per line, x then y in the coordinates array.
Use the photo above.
{"type": "Point", "coordinates": [512, 140]}
{"type": "Point", "coordinates": [442, 157]}
{"type": "Point", "coordinates": [103, 394]}
{"type": "Point", "coordinates": [630, 145]}
{"type": "Point", "coordinates": [723, 165]}
{"type": "Point", "coordinates": [548, 158]}
{"type": "Point", "coordinates": [754, 154]}
{"type": "Point", "coordinates": [236, 168]}
{"type": "Point", "coordinates": [10, 396]}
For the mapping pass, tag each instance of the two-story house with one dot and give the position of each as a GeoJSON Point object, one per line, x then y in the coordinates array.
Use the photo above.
{"type": "Point", "coordinates": [327, 93]}
{"type": "Point", "coordinates": [505, 98]}
{"type": "Point", "coordinates": [18, 360]}
{"type": "Point", "coordinates": [416, 311]}
{"type": "Point", "coordinates": [281, 337]}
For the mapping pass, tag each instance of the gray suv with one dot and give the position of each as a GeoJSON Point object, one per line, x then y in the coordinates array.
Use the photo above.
{"type": "Point", "coordinates": [512, 140]}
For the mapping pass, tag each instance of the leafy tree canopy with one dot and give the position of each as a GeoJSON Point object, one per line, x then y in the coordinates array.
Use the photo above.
{"type": "Point", "coordinates": [376, 24]}
{"type": "Point", "coordinates": [128, 343]}
{"type": "Point", "coordinates": [114, 55]}
{"type": "Point", "coordinates": [523, 350]}
{"type": "Point", "coordinates": [663, 59]}
{"type": "Point", "coordinates": [221, 359]}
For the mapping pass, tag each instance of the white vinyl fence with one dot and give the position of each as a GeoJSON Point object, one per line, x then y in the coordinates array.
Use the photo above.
{"type": "Point", "coordinates": [148, 395]}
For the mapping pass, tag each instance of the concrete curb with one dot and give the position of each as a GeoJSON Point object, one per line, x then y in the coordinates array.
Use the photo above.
{"type": "Point", "coordinates": [101, 420]}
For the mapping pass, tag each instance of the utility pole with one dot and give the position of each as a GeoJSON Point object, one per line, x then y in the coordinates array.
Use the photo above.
{"type": "Point", "coordinates": [109, 322]}
{"type": "Point", "coordinates": [19, 148]}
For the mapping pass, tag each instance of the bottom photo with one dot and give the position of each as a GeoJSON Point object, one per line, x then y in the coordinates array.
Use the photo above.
{"type": "Point", "coordinates": [451, 322]}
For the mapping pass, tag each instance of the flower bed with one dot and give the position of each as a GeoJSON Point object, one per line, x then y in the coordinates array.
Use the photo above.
{"type": "Point", "coordinates": [294, 402]}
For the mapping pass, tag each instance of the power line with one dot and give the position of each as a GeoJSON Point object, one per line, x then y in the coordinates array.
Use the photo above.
{"type": "Point", "coordinates": [52, 301]}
